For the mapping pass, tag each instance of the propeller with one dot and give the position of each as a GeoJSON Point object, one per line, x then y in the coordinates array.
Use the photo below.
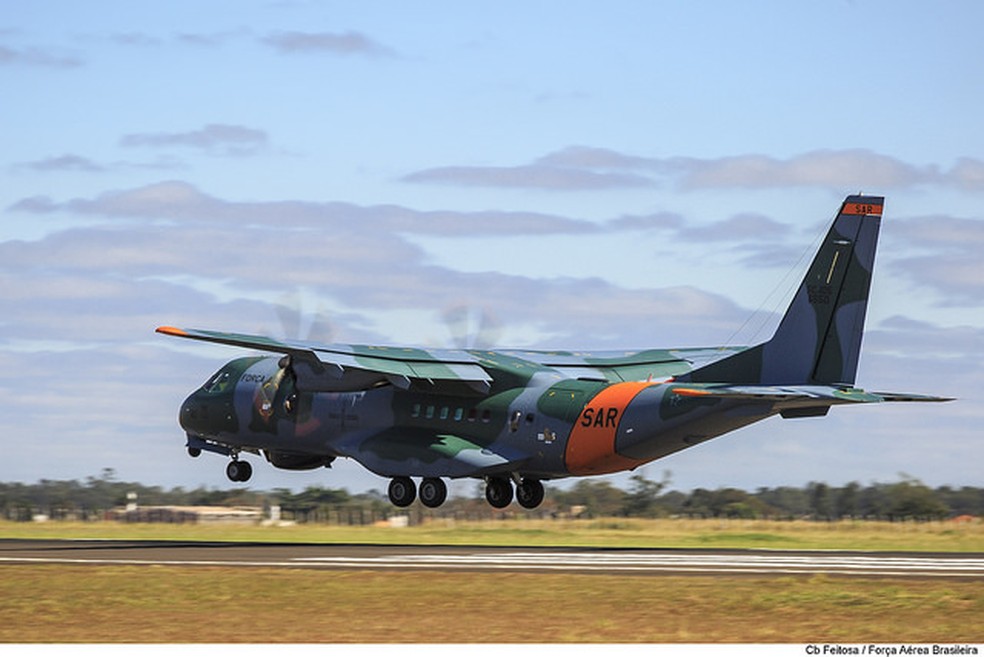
{"type": "Point", "coordinates": [472, 328]}
{"type": "Point", "coordinates": [303, 319]}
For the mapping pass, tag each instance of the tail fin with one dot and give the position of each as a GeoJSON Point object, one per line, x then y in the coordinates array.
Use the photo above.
{"type": "Point", "coordinates": [819, 338]}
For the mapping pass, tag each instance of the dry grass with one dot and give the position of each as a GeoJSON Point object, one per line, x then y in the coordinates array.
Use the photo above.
{"type": "Point", "coordinates": [108, 604]}
{"type": "Point", "coordinates": [942, 536]}
{"type": "Point", "coordinates": [176, 604]}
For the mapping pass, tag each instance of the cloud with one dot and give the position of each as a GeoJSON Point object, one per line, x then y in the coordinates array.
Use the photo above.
{"type": "Point", "coordinates": [335, 43]}
{"type": "Point", "coordinates": [161, 239]}
{"type": "Point", "coordinates": [741, 227]}
{"type": "Point", "coordinates": [946, 257]}
{"type": "Point", "coordinates": [582, 167]}
{"type": "Point", "coordinates": [67, 162]}
{"type": "Point", "coordinates": [535, 176]}
{"type": "Point", "coordinates": [221, 138]}
{"type": "Point", "coordinates": [836, 169]}
{"type": "Point", "coordinates": [968, 174]}
{"type": "Point", "coordinates": [918, 339]}
{"type": "Point", "coordinates": [37, 57]}
{"type": "Point", "coordinates": [178, 201]}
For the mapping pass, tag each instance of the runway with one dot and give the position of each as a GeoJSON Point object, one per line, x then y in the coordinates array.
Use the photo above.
{"type": "Point", "coordinates": [630, 562]}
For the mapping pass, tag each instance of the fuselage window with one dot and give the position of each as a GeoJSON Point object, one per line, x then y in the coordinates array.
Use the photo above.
{"type": "Point", "coordinates": [472, 414]}
{"type": "Point", "coordinates": [430, 412]}
{"type": "Point", "coordinates": [458, 414]}
{"type": "Point", "coordinates": [486, 416]}
{"type": "Point", "coordinates": [444, 412]}
{"type": "Point", "coordinates": [416, 411]}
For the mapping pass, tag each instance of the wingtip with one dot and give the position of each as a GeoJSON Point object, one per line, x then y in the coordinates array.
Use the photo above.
{"type": "Point", "coordinates": [171, 330]}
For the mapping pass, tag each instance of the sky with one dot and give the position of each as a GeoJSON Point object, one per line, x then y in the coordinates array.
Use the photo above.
{"type": "Point", "coordinates": [573, 175]}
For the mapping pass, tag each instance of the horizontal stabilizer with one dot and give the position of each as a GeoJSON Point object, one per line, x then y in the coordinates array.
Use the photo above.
{"type": "Point", "coordinates": [815, 395]}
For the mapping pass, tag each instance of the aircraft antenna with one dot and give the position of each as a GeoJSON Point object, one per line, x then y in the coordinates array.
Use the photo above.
{"type": "Point", "coordinates": [782, 291]}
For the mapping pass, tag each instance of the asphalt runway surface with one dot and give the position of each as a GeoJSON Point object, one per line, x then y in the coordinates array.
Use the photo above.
{"type": "Point", "coordinates": [638, 562]}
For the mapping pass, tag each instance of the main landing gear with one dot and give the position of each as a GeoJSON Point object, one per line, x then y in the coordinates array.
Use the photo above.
{"type": "Point", "coordinates": [433, 492]}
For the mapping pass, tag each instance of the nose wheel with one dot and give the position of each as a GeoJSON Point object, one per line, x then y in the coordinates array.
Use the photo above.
{"type": "Point", "coordinates": [239, 471]}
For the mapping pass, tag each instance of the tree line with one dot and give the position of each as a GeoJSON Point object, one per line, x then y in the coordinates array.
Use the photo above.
{"type": "Point", "coordinates": [905, 499]}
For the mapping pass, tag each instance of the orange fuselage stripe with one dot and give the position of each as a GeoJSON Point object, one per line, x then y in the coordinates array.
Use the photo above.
{"type": "Point", "coordinates": [591, 446]}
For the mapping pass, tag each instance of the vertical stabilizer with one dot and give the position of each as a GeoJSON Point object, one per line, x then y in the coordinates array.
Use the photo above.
{"type": "Point", "coordinates": [819, 338]}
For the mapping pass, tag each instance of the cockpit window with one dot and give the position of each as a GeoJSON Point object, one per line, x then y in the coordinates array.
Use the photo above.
{"type": "Point", "coordinates": [218, 383]}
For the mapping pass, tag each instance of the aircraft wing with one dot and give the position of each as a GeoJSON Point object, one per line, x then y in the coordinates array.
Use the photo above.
{"type": "Point", "coordinates": [619, 366]}
{"type": "Point", "coordinates": [345, 367]}
{"type": "Point", "coordinates": [341, 367]}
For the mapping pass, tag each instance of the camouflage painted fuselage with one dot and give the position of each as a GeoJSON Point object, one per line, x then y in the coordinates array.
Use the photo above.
{"type": "Point", "coordinates": [533, 422]}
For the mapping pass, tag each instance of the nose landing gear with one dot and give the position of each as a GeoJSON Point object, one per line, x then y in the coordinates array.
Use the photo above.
{"type": "Point", "coordinates": [239, 470]}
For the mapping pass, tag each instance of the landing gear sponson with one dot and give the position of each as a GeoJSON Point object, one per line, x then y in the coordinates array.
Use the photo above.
{"type": "Point", "coordinates": [433, 492]}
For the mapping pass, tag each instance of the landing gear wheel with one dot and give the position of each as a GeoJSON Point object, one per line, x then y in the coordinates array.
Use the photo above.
{"type": "Point", "coordinates": [529, 493]}
{"type": "Point", "coordinates": [433, 492]}
{"type": "Point", "coordinates": [239, 471]}
{"type": "Point", "coordinates": [499, 492]}
{"type": "Point", "coordinates": [402, 491]}
{"type": "Point", "coordinates": [194, 452]}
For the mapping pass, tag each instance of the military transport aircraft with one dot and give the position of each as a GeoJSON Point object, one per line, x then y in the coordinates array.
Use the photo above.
{"type": "Point", "coordinates": [517, 417]}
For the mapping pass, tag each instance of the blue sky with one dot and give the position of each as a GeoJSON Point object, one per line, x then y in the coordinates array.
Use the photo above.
{"type": "Point", "coordinates": [587, 175]}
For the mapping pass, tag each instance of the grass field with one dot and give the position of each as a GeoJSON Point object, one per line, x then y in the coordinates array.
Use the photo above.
{"type": "Point", "coordinates": [107, 604]}
{"type": "Point", "coordinates": [942, 536]}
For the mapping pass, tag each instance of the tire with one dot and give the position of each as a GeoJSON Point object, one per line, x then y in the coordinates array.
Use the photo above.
{"type": "Point", "coordinates": [529, 493]}
{"type": "Point", "coordinates": [499, 492]}
{"type": "Point", "coordinates": [433, 491]}
{"type": "Point", "coordinates": [402, 491]}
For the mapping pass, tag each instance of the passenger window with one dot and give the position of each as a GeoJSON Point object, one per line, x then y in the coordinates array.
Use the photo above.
{"type": "Point", "coordinates": [444, 412]}
{"type": "Point", "coordinates": [416, 411]}
{"type": "Point", "coordinates": [486, 416]}
{"type": "Point", "coordinates": [458, 414]}
{"type": "Point", "coordinates": [472, 414]}
{"type": "Point", "coordinates": [430, 412]}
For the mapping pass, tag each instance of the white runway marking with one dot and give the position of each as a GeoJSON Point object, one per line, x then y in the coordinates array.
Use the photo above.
{"type": "Point", "coordinates": [690, 563]}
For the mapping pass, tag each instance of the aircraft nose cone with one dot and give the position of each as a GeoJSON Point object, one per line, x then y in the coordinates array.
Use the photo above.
{"type": "Point", "coordinates": [190, 414]}
{"type": "Point", "coordinates": [208, 414]}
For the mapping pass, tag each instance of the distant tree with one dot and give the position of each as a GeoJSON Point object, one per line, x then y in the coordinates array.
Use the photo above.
{"type": "Point", "coordinates": [642, 499]}
{"type": "Point", "coordinates": [847, 499]}
{"type": "Point", "coordinates": [785, 501]}
{"type": "Point", "coordinates": [821, 501]}
{"type": "Point", "coordinates": [599, 498]}
{"type": "Point", "coordinates": [911, 499]}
